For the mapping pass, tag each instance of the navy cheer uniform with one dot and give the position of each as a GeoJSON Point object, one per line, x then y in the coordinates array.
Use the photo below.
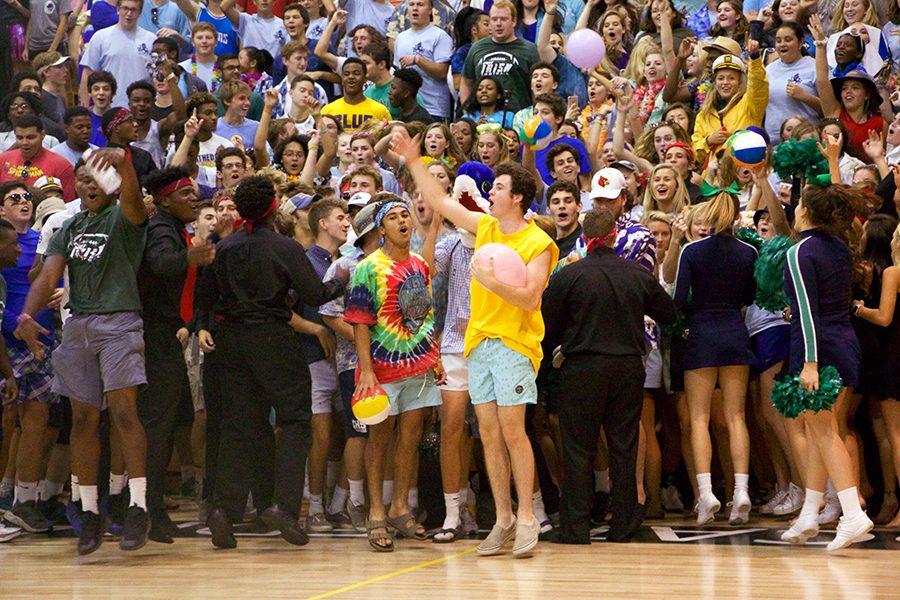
{"type": "Point", "coordinates": [717, 272]}
{"type": "Point", "coordinates": [817, 279]}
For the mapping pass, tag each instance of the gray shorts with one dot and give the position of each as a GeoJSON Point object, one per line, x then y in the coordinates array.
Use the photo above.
{"type": "Point", "coordinates": [99, 354]}
{"type": "Point", "coordinates": [412, 393]}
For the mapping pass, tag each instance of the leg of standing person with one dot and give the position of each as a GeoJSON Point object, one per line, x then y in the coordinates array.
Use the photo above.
{"type": "Point", "coordinates": [324, 381]}
{"type": "Point", "coordinates": [699, 386]}
{"type": "Point", "coordinates": [733, 381]}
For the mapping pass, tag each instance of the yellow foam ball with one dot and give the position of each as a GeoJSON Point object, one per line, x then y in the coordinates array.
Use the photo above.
{"type": "Point", "coordinates": [372, 409]}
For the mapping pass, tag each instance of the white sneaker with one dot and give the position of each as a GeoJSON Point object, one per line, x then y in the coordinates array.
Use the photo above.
{"type": "Point", "coordinates": [671, 499]}
{"type": "Point", "coordinates": [850, 531]}
{"type": "Point", "coordinates": [804, 527]}
{"type": "Point", "coordinates": [707, 508]}
{"type": "Point", "coordinates": [792, 502]}
{"type": "Point", "coordinates": [832, 510]}
{"type": "Point", "coordinates": [9, 533]}
{"type": "Point", "coordinates": [740, 508]}
{"type": "Point", "coordinates": [769, 507]}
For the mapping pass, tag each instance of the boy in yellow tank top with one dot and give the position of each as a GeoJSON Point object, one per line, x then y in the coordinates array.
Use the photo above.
{"type": "Point", "coordinates": [503, 339]}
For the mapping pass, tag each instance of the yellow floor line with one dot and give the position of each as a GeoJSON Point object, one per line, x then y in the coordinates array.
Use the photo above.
{"type": "Point", "coordinates": [394, 574]}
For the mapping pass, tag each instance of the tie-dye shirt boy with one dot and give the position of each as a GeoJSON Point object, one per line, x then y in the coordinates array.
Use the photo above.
{"type": "Point", "coordinates": [394, 300]}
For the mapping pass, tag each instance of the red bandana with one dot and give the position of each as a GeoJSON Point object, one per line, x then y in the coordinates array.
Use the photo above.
{"type": "Point", "coordinates": [602, 242]}
{"type": "Point", "coordinates": [250, 222]}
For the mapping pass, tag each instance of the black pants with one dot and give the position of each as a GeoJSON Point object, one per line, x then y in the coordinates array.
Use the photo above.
{"type": "Point", "coordinates": [600, 391]}
{"type": "Point", "coordinates": [263, 369]}
{"type": "Point", "coordinates": [158, 404]}
{"type": "Point", "coordinates": [263, 478]}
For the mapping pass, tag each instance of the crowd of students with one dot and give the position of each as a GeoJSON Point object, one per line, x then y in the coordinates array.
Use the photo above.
{"type": "Point", "coordinates": [230, 220]}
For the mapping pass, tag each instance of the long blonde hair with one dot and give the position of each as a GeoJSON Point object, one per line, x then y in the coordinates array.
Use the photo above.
{"type": "Point", "coordinates": [720, 213]}
{"type": "Point", "coordinates": [895, 247]}
{"type": "Point", "coordinates": [713, 98]}
{"type": "Point", "coordinates": [634, 70]}
{"type": "Point", "coordinates": [680, 199]}
{"type": "Point", "coordinates": [838, 23]}
{"type": "Point", "coordinates": [645, 146]}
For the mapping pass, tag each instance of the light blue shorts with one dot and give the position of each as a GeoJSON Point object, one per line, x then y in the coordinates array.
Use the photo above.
{"type": "Point", "coordinates": [499, 373]}
{"type": "Point", "coordinates": [412, 393]}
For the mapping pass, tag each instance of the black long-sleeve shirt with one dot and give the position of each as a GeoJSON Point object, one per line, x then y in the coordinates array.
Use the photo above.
{"type": "Point", "coordinates": [597, 306]}
{"type": "Point", "coordinates": [163, 270]}
{"type": "Point", "coordinates": [252, 276]}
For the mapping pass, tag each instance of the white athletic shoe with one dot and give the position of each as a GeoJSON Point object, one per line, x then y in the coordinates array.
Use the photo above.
{"type": "Point", "coordinates": [769, 507]}
{"type": "Point", "coordinates": [740, 508]}
{"type": "Point", "coordinates": [804, 527]}
{"type": "Point", "coordinates": [9, 533]}
{"type": "Point", "coordinates": [832, 510]}
{"type": "Point", "coordinates": [850, 531]}
{"type": "Point", "coordinates": [707, 508]}
{"type": "Point", "coordinates": [792, 502]}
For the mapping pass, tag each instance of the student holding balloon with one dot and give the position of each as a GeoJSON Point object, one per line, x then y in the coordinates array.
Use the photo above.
{"type": "Point", "coordinates": [503, 339]}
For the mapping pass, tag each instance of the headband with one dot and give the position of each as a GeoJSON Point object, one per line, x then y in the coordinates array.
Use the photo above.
{"type": "Point", "coordinates": [707, 190]}
{"type": "Point", "coordinates": [117, 120]}
{"type": "Point", "coordinates": [602, 242]}
{"type": "Point", "coordinates": [173, 187]}
{"type": "Point", "coordinates": [690, 151]}
{"type": "Point", "coordinates": [495, 127]}
{"type": "Point", "coordinates": [250, 222]}
{"type": "Point", "coordinates": [386, 208]}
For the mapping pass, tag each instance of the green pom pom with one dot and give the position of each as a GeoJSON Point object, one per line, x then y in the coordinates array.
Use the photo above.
{"type": "Point", "coordinates": [790, 400]}
{"type": "Point", "coordinates": [769, 272]}
{"type": "Point", "coordinates": [749, 235]}
{"type": "Point", "coordinates": [798, 158]}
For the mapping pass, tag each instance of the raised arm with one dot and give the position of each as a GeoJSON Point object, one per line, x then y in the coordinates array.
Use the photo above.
{"type": "Point", "coordinates": [338, 19]}
{"type": "Point", "coordinates": [231, 11]}
{"type": "Point", "coordinates": [432, 191]}
{"type": "Point", "coordinates": [673, 91]}
{"type": "Point", "coordinates": [131, 200]}
{"type": "Point", "coordinates": [548, 54]}
{"type": "Point", "coordinates": [270, 100]}
{"type": "Point", "coordinates": [190, 9]}
{"type": "Point", "coordinates": [308, 174]}
{"type": "Point", "coordinates": [831, 107]}
{"type": "Point", "coordinates": [625, 106]}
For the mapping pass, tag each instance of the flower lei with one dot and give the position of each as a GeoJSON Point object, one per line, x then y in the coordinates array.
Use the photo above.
{"type": "Point", "coordinates": [216, 75]}
{"type": "Point", "coordinates": [646, 98]}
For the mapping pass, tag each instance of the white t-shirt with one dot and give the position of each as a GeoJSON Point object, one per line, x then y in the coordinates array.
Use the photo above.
{"type": "Point", "coordinates": [368, 12]}
{"type": "Point", "coordinates": [265, 34]}
{"type": "Point", "coordinates": [51, 226]}
{"type": "Point", "coordinates": [204, 71]}
{"type": "Point", "coordinates": [781, 106]}
{"type": "Point", "coordinates": [206, 158]}
{"type": "Point", "coordinates": [430, 43]}
{"type": "Point", "coordinates": [125, 54]}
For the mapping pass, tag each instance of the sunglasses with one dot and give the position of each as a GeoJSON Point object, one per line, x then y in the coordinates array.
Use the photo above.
{"type": "Point", "coordinates": [346, 195]}
{"type": "Point", "coordinates": [18, 198]}
{"type": "Point", "coordinates": [154, 15]}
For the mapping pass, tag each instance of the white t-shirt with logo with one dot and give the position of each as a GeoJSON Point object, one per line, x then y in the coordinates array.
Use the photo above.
{"type": "Point", "coordinates": [430, 43]}
{"type": "Point", "coordinates": [125, 54]}
{"type": "Point", "coordinates": [265, 34]}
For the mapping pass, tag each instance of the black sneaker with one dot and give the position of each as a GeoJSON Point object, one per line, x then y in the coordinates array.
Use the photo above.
{"type": "Point", "coordinates": [220, 527]}
{"type": "Point", "coordinates": [285, 522]}
{"type": "Point", "coordinates": [113, 507]}
{"type": "Point", "coordinates": [28, 517]}
{"type": "Point", "coordinates": [53, 510]}
{"type": "Point", "coordinates": [600, 508]}
{"type": "Point", "coordinates": [137, 527]}
{"type": "Point", "coordinates": [91, 533]}
{"type": "Point", "coordinates": [162, 529]}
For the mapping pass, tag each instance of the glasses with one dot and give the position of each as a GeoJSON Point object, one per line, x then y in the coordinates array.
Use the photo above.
{"type": "Point", "coordinates": [154, 15]}
{"type": "Point", "coordinates": [19, 106]}
{"type": "Point", "coordinates": [291, 155]}
{"type": "Point", "coordinates": [128, 9]}
{"type": "Point", "coordinates": [18, 198]}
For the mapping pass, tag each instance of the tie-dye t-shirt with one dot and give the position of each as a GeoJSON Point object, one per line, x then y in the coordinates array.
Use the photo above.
{"type": "Point", "coordinates": [394, 299]}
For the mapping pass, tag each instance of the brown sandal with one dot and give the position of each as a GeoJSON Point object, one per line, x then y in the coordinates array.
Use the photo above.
{"type": "Point", "coordinates": [407, 526]}
{"type": "Point", "coordinates": [375, 536]}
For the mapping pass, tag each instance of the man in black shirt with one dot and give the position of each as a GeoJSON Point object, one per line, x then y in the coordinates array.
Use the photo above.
{"type": "Point", "coordinates": [249, 284]}
{"type": "Point", "coordinates": [120, 129]}
{"type": "Point", "coordinates": [402, 95]}
{"type": "Point", "coordinates": [564, 206]}
{"type": "Point", "coordinates": [166, 284]}
{"type": "Point", "coordinates": [594, 310]}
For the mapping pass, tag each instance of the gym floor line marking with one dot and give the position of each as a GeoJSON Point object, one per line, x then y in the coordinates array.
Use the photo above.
{"type": "Point", "coordinates": [393, 574]}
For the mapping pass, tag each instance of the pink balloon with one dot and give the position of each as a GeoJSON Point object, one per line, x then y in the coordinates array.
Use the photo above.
{"type": "Point", "coordinates": [509, 268]}
{"type": "Point", "coordinates": [585, 48]}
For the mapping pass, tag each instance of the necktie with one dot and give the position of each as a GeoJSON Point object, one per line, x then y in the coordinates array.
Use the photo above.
{"type": "Point", "coordinates": [187, 293]}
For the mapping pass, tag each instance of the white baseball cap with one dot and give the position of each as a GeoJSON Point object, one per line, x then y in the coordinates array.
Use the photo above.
{"type": "Point", "coordinates": [607, 183]}
{"type": "Point", "coordinates": [360, 199]}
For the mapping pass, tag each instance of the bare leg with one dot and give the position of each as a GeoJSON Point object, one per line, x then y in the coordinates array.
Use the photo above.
{"type": "Point", "coordinates": [521, 457]}
{"type": "Point", "coordinates": [652, 471]}
{"type": "Point", "coordinates": [33, 418]}
{"type": "Point", "coordinates": [376, 453]}
{"type": "Point", "coordinates": [496, 458]}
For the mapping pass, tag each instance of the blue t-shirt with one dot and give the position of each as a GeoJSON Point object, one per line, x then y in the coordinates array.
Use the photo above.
{"type": "Point", "coordinates": [226, 36]}
{"type": "Point", "coordinates": [97, 137]}
{"type": "Point", "coordinates": [17, 286]}
{"type": "Point", "coordinates": [103, 15]}
{"type": "Point", "coordinates": [247, 130]}
{"type": "Point", "coordinates": [583, 160]}
{"type": "Point", "coordinates": [504, 118]}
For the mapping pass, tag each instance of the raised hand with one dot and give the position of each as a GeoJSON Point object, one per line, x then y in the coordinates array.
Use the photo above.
{"type": "Point", "coordinates": [192, 125]}
{"type": "Point", "coordinates": [816, 29]}
{"type": "Point", "coordinates": [405, 146]}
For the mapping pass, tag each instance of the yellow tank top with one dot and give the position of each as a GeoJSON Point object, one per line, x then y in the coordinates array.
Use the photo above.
{"type": "Point", "coordinates": [493, 317]}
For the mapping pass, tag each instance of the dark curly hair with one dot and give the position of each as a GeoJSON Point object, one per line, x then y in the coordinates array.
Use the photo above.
{"type": "Point", "coordinates": [154, 181]}
{"type": "Point", "coordinates": [253, 197]}
{"type": "Point", "coordinates": [298, 139]}
{"type": "Point", "coordinates": [834, 208]}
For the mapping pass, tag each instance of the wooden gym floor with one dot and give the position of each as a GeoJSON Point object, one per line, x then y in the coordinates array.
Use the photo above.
{"type": "Point", "coordinates": [669, 559]}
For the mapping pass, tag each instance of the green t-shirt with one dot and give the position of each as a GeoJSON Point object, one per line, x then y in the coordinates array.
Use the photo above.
{"type": "Point", "coordinates": [256, 106]}
{"type": "Point", "coordinates": [103, 254]}
{"type": "Point", "coordinates": [509, 63]}
{"type": "Point", "coordinates": [379, 93]}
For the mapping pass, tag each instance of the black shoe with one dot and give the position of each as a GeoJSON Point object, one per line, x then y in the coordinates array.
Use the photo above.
{"type": "Point", "coordinates": [53, 510]}
{"type": "Point", "coordinates": [136, 529]}
{"type": "Point", "coordinates": [28, 517]}
{"type": "Point", "coordinates": [114, 508]}
{"type": "Point", "coordinates": [220, 526]}
{"type": "Point", "coordinates": [91, 532]}
{"type": "Point", "coordinates": [600, 508]}
{"type": "Point", "coordinates": [277, 518]}
{"type": "Point", "coordinates": [162, 529]}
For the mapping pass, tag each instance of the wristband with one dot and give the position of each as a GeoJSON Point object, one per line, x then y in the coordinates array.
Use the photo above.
{"type": "Point", "coordinates": [820, 43]}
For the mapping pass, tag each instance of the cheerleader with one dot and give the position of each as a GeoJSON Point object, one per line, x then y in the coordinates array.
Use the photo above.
{"type": "Point", "coordinates": [817, 279]}
{"type": "Point", "coordinates": [717, 273]}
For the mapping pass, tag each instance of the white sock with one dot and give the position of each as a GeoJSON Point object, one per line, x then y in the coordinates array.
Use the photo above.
{"type": "Point", "coordinates": [387, 491]}
{"type": "Point", "coordinates": [316, 505]}
{"type": "Point", "coordinates": [357, 492]}
{"type": "Point", "coordinates": [811, 504]}
{"type": "Point", "coordinates": [601, 481]}
{"type": "Point", "coordinates": [338, 500]}
{"type": "Point", "coordinates": [538, 510]}
{"type": "Point", "coordinates": [137, 487]}
{"type": "Point", "coordinates": [704, 482]}
{"type": "Point", "coordinates": [741, 482]}
{"type": "Point", "coordinates": [76, 489]}
{"type": "Point", "coordinates": [413, 499]}
{"type": "Point", "coordinates": [188, 472]}
{"type": "Point", "coordinates": [451, 502]}
{"type": "Point", "coordinates": [332, 471]}
{"type": "Point", "coordinates": [26, 491]}
{"type": "Point", "coordinates": [89, 499]}
{"type": "Point", "coordinates": [116, 484]}
{"type": "Point", "coordinates": [850, 503]}
{"type": "Point", "coordinates": [47, 490]}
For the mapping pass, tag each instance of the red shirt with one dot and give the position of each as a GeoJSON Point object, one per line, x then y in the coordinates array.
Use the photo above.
{"type": "Point", "coordinates": [12, 168]}
{"type": "Point", "coordinates": [859, 133]}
